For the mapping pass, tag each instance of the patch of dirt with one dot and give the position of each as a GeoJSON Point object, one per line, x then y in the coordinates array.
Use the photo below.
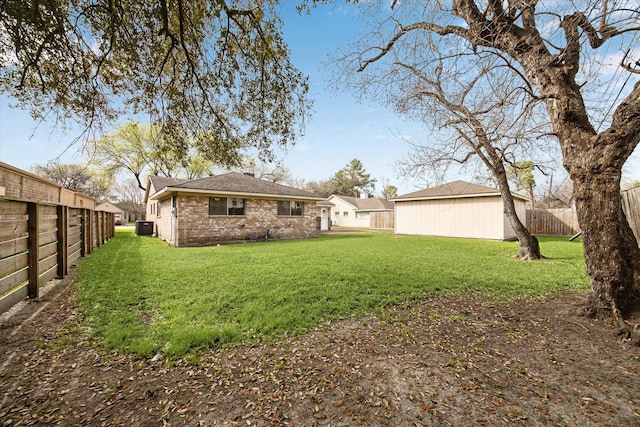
{"type": "Point", "coordinates": [438, 362]}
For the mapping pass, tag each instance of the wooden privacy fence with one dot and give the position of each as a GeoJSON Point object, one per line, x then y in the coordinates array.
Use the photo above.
{"type": "Point", "coordinates": [564, 222]}
{"type": "Point", "coordinates": [554, 222]}
{"type": "Point", "coordinates": [381, 220]}
{"type": "Point", "coordinates": [38, 242]}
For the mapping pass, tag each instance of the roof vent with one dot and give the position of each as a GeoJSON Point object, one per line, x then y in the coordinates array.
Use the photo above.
{"type": "Point", "coordinates": [250, 174]}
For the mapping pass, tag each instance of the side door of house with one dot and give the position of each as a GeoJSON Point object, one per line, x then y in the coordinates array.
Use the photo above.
{"type": "Point", "coordinates": [324, 219]}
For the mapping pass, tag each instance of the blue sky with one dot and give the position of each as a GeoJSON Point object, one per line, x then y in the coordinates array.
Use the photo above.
{"type": "Point", "coordinates": [340, 129]}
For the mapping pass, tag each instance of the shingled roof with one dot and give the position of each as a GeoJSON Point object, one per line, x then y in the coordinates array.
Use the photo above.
{"type": "Point", "coordinates": [160, 182]}
{"type": "Point", "coordinates": [454, 189]}
{"type": "Point", "coordinates": [238, 184]}
{"type": "Point", "coordinates": [367, 204]}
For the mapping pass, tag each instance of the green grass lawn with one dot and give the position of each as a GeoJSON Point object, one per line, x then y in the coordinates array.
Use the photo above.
{"type": "Point", "coordinates": [141, 295]}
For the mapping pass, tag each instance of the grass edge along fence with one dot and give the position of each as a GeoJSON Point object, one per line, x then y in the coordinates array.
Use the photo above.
{"type": "Point", "coordinates": [39, 241]}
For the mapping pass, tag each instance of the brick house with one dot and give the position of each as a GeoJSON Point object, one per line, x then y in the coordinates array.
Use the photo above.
{"type": "Point", "coordinates": [231, 207]}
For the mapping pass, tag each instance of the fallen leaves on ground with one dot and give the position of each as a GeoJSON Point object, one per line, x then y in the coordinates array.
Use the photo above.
{"type": "Point", "coordinates": [442, 361]}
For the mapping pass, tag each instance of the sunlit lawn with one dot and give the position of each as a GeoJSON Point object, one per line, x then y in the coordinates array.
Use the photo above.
{"type": "Point", "coordinates": [141, 295]}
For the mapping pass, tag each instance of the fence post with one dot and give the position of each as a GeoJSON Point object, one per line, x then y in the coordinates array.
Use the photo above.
{"type": "Point", "coordinates": [63, 234]}
{"type": "Point", "coordinates": [104, 227]}
{"type": "Point", "coordinates": [89, 216]}
{"type": "Point", "coordinates": [83, 234]}
{"type": "Point", "coordinates": [33, 211]}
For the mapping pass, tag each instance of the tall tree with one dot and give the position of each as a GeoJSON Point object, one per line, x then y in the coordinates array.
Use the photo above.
{"type": "Point", "coordinates": [77, 178]}
{"type": "Point", "coordinates": [526, 34]}
{"type": "Point", "coordinates": [389, 191]}
{"type": "Point", "coordinates": [131, 197]}
{"type": "Point", "coordinates": [486, 123]}
{"type": "Point", "coordinates": [322, 188]}
{"type": "Point", "coordinates": [127, 149]}
{"type": "Point", "coordinates": [217, 70]}
{"type": "Point", "coordinates": [139, 150]}
{"type": "Point", "coordinates": [352, 180]}
{"type": "Point", "coordinates": [273, 172]}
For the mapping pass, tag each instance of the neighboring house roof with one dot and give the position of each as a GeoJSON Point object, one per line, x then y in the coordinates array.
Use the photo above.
{"type": "Point", "coordinates": [455, 189]}
{"type": "Point", "coordinates": [368, 204]}
{"type": "Point", "coordinates": [234, 183]}
{"type": "Point", "coordinates": [109, 207]}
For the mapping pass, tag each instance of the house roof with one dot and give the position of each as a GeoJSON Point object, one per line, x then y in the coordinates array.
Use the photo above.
{"type": "Point", "coordinates": [157, 183]}
{"type": "Point", "coordinates": [234, 183]}
{"type": "Point", "coordinates": [455, 189]}
{"type": "Point", "coordinates": [108, 207]}
{"type": "Point", "coordinates": [160, 182]}
{"type": "Point", "coordinates": [368, 204]}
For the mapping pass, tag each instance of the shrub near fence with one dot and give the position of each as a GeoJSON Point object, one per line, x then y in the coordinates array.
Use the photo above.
{"type": "Point", "coordinates": [39, 241]}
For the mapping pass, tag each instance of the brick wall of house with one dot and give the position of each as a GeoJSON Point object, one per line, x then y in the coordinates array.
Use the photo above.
{"type": "Point", "coordinates": [197, 228]}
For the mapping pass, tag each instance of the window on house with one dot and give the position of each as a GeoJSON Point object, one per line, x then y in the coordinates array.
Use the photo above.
{"type": "Point", "coordinates": [361, 215]}
{"type": "Point", "coordinates": [337, 213]}
{"type": "Point", "coordinates": [226, 206]}
{"type": "Point", "coordinates": [158, 206]}
{"type": "Point", "coordinates": [290, 208]}
{"type": "Point", "coordinates": [345, 213]}
{"type": "Point", "coordinates": [235, 206]}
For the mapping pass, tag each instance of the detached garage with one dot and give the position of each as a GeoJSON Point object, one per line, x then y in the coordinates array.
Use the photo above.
{"type": "Point", "coordinates": [456, 209]}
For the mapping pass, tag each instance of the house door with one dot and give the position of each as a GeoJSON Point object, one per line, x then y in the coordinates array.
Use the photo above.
{"type": "Point", "coordinates": [324, 220]}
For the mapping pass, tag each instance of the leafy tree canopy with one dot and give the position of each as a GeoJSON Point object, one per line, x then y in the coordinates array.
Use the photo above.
{"type": "Point", "coordinates": [389, 191]}
{"type": "Point", "coordinates": [140, 150]}
{"type": "Point", "coordinates": [352, 180]}
{"type": "Point", "coordinates": [217, 71]}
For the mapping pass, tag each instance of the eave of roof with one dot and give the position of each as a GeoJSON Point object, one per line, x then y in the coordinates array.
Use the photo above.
{"type": "Point", "coordinates": [167, 191]}
{"type": "Point", "coordinates": [460, 196]}
{"type": "Point", "coordinates": [236, 185]}
{"type": "Point", "coordinates": [455, 190]}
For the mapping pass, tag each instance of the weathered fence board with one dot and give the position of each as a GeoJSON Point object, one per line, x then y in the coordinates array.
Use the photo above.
{"type": "Point", "coordinates": [13, 246]}
{"type": "Point", "coordinates": [11, 207]}
{"type": "Point", "coordinates": [12, 280]}
{"type": "Point", "coordinates": [39, 241]}
{"type": "Point", "coordinates": [13, 297]}
{"type": "Point", "coordinates": [48, 250]}
{"type": "Point", "coordinates": [555, 222]}
{"type": "Point", "coordinates": [381, 220]}
{"type": "Point", "coordinates": [14, 262]}
{"type": "Point", "coordinates": [13, 228]}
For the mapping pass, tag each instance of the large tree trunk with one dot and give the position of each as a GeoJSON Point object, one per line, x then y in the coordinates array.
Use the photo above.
{"type": "Point", "coordinates": [594, 162]}
{"type": "Point", "coordinates": [611, 251]}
